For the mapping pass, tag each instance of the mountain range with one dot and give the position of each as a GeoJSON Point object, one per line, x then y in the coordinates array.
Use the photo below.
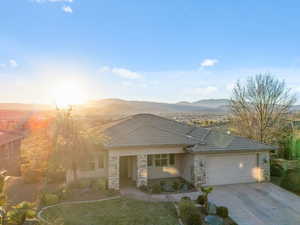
{"type": "Point", "coordinates": [120, 106]}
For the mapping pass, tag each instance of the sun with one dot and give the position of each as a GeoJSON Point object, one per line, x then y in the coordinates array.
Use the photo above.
{"type": "Point", "coordinates": [68, 93]}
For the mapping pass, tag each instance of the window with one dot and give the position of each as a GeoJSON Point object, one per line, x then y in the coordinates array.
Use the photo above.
{"type": "Point", "coordinates": [161, 160]}
{"type": "Point", "coordinates": [150, 160]}
{"type": "Point", "coordinates": [172, 159]}
{"type": "Point", "coordinates": [89, 165]}
{"type": "Point", "coordinates": [101, 162]}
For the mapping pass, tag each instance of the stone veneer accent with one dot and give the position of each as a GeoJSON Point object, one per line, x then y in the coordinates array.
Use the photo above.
{"type": "Point", "coordinates": [142, 170]}
{"type": "Point", "coordinates": [264, 165]}
{"type": "Point", "coordinates": [113, 171]}
{"type": "Point", "coordinates": [199, 170]}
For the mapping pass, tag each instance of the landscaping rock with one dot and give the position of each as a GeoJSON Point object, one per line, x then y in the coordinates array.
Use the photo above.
{"type": "Point", "coordinates": [213, 220]}
{"type": "Point", "coordinates": [212, 208]}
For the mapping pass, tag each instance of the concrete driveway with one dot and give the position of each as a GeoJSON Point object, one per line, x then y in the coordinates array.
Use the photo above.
{"type": "Point", "coordinates": [258, 204]}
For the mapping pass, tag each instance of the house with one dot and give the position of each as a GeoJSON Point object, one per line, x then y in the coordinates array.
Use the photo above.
{"type": "Point", "coordinates": [10, 143]}
{"type": "Point", "coordinates": [146, 146]}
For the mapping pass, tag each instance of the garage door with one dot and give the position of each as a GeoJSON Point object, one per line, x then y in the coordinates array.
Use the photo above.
{"type": "Point", "coordinates": [231, 169]}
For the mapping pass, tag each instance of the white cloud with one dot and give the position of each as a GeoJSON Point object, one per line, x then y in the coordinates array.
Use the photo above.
{"type": "Point", "coordinates": [121, 72]}
{"type": "Point", "coordinates": [125, 73]}
{"type": "Point", "coordinates": [209, 62]}
{"type": "Point", "coordinates": [67, 9]}
{"type": "Point", "coordinates": [2, 65]}
{"type": "Point", "coordinates": [12, 63]}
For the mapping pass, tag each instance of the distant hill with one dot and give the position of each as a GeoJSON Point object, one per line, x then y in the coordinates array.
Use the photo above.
{"type": "Point", "coordinates": [24, 107]}
{"type": "Point", "coordinates": [107, 106]}
{"type": "Point", "coordinates": [210, 103]}
{"type": "Point", "coordinates": [120, 106]}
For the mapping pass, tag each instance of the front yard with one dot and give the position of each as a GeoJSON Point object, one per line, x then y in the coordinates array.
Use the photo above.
{"type": "Point", "coordinates": [122, 211]}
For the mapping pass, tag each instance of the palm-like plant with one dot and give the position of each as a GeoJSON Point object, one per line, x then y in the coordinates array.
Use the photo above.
{"type": "Point", "coordinates": [206, 191]}
{"type": "Point", "coordinates": [19, 213]}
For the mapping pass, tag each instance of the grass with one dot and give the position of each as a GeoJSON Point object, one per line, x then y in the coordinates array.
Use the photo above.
{"type": "Point", "coordinates": [121, 211]}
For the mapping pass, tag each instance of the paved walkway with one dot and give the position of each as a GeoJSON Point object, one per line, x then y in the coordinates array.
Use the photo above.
{"type": "Point", "coordinates": [249, 204]}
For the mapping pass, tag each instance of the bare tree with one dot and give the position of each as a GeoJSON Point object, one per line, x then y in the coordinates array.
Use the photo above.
{"type": "Point", "coordinates": [259, 108]}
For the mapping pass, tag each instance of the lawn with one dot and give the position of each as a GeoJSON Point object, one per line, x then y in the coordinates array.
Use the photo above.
{"type": "Point", "coordinates": [122, 211]}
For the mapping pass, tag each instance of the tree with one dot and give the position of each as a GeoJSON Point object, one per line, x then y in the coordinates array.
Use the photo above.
{"type": "Point", "coordinates": [259, 108]}
{"type": "Point", "coordinates": [73, 142]}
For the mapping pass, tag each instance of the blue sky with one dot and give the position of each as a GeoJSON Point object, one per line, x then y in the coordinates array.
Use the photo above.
{"type": "Point", "coordinates": [144, 50]}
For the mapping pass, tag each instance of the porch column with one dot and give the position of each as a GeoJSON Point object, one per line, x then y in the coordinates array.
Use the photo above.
{"type": "Point", "coordinates": [199, 170]}
{"type": "Point", "coordinates": [142, 170]}
{"type": "Point", "coordinates": [113, 171]}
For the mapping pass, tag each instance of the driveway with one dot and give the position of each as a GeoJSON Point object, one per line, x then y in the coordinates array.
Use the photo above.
{"type": "Point", "coordinates": [258, 204]}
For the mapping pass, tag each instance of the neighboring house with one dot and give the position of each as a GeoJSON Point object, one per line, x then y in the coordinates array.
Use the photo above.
{"type": "Point", "coordinates": [146, 146]}
{"type": "Point", "coordinates": [10, 143]}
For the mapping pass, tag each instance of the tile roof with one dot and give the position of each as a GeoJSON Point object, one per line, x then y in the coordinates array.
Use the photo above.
{"type": "Point", "coordinates": [152, 130]}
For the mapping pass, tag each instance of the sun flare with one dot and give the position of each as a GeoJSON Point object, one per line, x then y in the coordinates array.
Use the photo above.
{"type": "Point", "coordinates": [68, 93]}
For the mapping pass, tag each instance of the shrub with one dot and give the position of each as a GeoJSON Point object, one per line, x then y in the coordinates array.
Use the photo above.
{"type": "Point", "coordinates": [276, 170]}
{"type": "Point", "coordinates": [63, 193]}
{"type": "Point", "coordinates": [189, 213]}
{"type": "Point", "coordinates": [222, 211]}
{"type": "Point", "coordinates": [85, 183]}
{"type": "Point", "coordinates": [49, 199]}
{"type": "Point", "coordinates": [99, 184]}
{"type": "Point", "coordinates": [186, 198]}
{"type": "Point", "coordinates": [143, 188]}
{"type": "Point", "coordinates": [201, 199]}
{"type": "Point", "coordinates": [176, 185]}
{"type": "Point", "coordinates": [291, 180]}
{"type": "Point", "coordinates": [156, 188]}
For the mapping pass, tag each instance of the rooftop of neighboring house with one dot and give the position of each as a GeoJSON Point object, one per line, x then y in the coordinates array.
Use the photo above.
{"type": "Point", "coordinates": [9, 136]}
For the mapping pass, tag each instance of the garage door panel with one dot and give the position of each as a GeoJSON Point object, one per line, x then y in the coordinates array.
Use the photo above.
{"type": "Point", "coordinates": [231, 169]}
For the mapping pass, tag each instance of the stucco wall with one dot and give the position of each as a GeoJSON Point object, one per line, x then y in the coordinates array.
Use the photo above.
{"type": "Point", "coordinates": [187, 165]}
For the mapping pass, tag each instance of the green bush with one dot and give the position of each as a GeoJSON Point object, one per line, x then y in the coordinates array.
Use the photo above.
{"type": "Point", "coordinates": [50, 199]}
{"type": "Point", "coordinates": [276, 170]}
{"type": "Point", "coordinates": [291, 180]}
{"type": "Point", "coordinates": [186, 198]}
{"type": "Point", "coordinates": [176, 185]}
{"type": "Point", "coordinates": [222, 211]}
{"type": "Point", "coordinates": [201, 199]}
{"type": "Point", "coordinates": [99, 184]}
{"type": "Point", "coordinates": [156, 188]}
{"type": "Point", "coordinates": [189, 213]}
{"type": "Point", "coordinates": [63, 193]}
{"type": "Point", "coordinates": [143, 188]}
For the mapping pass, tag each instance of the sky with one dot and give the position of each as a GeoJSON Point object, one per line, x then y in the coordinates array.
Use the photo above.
{"type": "Point", "coordinates": [167, 51]}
